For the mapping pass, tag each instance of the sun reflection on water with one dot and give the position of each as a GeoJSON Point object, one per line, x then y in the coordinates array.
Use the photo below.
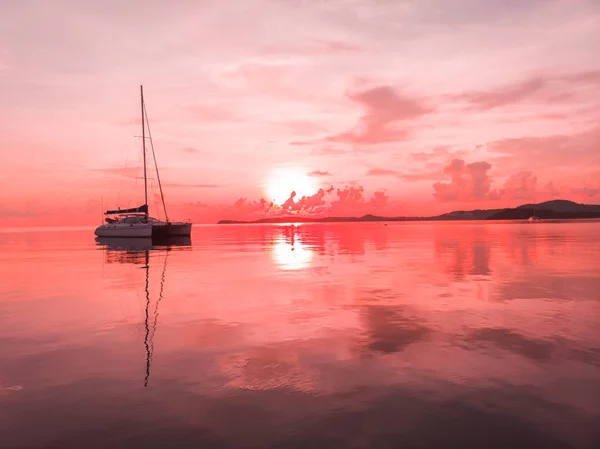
{"type": "Point", "coordinates": [291, 256]}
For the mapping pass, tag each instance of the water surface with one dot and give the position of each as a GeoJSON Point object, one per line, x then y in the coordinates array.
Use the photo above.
{"type": "Point", "coordinates": [412, 335]}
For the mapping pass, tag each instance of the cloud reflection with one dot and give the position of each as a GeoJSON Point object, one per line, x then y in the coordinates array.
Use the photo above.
{"type": "Point", "coordinates": [388, 329]}
{"type": "Point", "coordinates": [405, 327]}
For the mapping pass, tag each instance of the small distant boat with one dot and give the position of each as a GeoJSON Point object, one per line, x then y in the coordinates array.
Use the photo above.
{"type": "Point", "coordinates": [534, 217]}
{"type": "Point", "coordinates": [136, 222]}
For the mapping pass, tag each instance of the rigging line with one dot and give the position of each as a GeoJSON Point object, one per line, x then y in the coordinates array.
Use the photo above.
{"type": "Point", "coordinates": [162, 196]}
{"type": "Point", "coordinates": [148, 355]}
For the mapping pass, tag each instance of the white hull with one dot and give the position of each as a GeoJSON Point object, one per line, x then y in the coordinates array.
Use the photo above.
{"type": "Point", "coordinates": [124, 230]}
{"type": "Point", "coordinates": [147, 230]}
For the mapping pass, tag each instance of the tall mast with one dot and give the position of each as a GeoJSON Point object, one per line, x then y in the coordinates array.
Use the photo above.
{"type": "Point", "coordinates": [144, 144]}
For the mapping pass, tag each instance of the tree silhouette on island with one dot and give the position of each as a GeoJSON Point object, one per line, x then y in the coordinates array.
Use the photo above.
{"type": "Point", "coordinates": [554, 209]}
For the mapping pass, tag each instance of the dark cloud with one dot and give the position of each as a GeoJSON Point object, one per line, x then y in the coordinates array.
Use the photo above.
{"type": "Point", "coordinates": [381, 172]}
{"type": "Point", "coordinates": [318, 173]}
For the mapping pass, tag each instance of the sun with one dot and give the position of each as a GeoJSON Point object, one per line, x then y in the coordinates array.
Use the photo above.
{"type": "Point", "coordinates": [283, 181]}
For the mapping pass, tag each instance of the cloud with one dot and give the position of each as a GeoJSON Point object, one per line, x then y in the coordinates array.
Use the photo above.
{"type": "Point", "coordinates": [590, 77]}
{"type": "Point", "coordinates": [420, 175]}
{"type": "Point", "coordinates": [381, 172]}
{"type": "Point", "coordinates": [519, 186]}
{"type": "Point", "coordinates": [547, 89]}
{"type": "Point", "coordinates": [347, 201]}
{"type": "Point", "coordinates": [437, 153]}
{"type": "Point", "coordinates": [124, 172]}
{"type": "Point", "coordinates": [379, 200]}
{"type": "Point", "coordinates": [502, 96]}
{"type": "Point", "coordinates": [565, 150]}
{"type": "Point", "coordinates": [17, 213]}
{"type": "Point", "coordinates": [242, 205]}
{"type": "Point", "coordinates": [469, 182]}
{"type": "Point", "coordinates": [307, 204]}
{"type": "Point", "coordinates": [384, 108]}
{"type": "Point", "coordinates": [318, 173]}
{"type": "Point", "coordinates": [424, 175]}
{"type": "Point", "coordinates": [351, 201]}
{"type": "Point", "coordinates": [587, 192]}
{"type": "Point", "coordinates": [29, 209]}
{"type": "Point", "coordinates": [550, 190]}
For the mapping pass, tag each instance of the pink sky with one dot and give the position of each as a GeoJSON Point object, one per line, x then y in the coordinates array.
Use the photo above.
{"type": "Point", "coordinates": [391, 107]}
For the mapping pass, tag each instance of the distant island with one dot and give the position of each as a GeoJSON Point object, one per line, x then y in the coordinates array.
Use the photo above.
{"type": "Point", "coordinates": [555, 209]}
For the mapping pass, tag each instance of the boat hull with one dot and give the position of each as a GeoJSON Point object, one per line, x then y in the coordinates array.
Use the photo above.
{"type": "Point", "coordinates": [175, 229]}
{"type": "Point", "coordinates": [138, 230]}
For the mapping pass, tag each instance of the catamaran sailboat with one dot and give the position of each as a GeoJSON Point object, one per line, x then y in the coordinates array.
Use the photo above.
{"type": "Point", "coordinates": [136, 222]}
{"type": "Point", "coordinates": [534, 217]}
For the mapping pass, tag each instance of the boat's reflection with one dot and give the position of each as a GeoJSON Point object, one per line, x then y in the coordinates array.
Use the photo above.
{"type": "Point", "coordinates": [132, 250]}
{"type": "Point", "coordinates": [141, 244]}
{"type": "Point", "coordinates": [137, 251]}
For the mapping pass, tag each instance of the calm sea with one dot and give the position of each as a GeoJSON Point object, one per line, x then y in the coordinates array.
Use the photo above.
{"type": "Point", "coordinates": [406, 335]}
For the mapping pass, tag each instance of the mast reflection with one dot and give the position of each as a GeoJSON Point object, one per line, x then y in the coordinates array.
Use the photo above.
{"type": "Point", "coordinates": [137, 251]}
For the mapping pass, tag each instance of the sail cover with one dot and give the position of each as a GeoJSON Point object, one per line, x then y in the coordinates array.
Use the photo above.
{"type": "Point", "coordinates": [142, 209]}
